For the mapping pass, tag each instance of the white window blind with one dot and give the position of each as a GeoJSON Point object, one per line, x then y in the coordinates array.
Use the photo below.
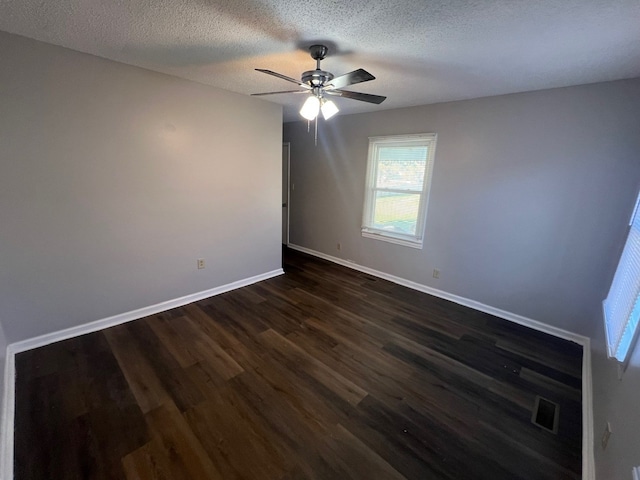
{"type": "Point", "coordinates": [622, 305]}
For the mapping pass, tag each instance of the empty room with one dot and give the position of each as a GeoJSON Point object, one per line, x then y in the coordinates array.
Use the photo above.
{"type": "Point", "coordinates": [262, 239]}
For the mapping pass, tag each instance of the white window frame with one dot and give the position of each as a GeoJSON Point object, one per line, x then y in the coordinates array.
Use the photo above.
{"type": "Point", "coordinates": [368, 230]}
{"type": "Point", "coordinates": [620, 308]}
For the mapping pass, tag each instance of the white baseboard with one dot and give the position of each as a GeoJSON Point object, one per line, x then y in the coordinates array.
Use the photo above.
{"type": "Point", "coordinates": [588, 459]}
{"type": "Point", "coordinates": [519, 319]}
{"type": "Point", "coordinates": [8, 409]}
{"type": "Point", "coordinates": [588, 466]}
{"type": "Point", "coordinates": [136, 314]}
{"type": "Point", "coordinates": [8, 403]}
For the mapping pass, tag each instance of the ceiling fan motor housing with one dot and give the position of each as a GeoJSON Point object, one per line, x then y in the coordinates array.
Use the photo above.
{"type": "Point", "coordinates": [316, 78]}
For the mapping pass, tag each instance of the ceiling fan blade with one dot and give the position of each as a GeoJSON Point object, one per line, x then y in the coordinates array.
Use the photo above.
{"type": "Point", "coordinates": [363, 97]}
{"type": "Point", "coordinates": [284, 77]}
{"type": "Point", "coordinates": [351, 78]}
{"type": "Point", "coordinates": [275, 93]}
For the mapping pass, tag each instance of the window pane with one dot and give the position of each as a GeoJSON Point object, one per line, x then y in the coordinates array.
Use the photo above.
{"type": "Point", "coordinates": [401, 167]}
{"type": "Point", "coordinates": [396, 212]}
{"type": "Point", "coordinates": [397, 188]}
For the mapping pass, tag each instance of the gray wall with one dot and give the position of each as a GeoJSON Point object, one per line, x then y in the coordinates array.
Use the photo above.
{"type": "Point", "coordinates": [530, 194]}
{"type": "Point", "coordinates": [115, 179]}
{"type": "Point", "coordinates": [530, 198]}
{"type": "Point", "coordinates": [616, 401]}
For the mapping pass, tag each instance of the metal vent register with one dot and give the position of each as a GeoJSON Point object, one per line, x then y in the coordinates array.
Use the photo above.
{"type": "Point", "coordinates": [546, 414]}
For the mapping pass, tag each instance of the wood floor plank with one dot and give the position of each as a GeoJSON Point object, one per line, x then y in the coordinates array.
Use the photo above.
{"type": "Point", "coordinates": [177, 442]}
{"type": "Point", "coordinates": [169, 332]}
{"type": "Point", "coordinates": [183, 392]}
{"type": "Point", "coordinates": [323, 373]}
{"type": "Point", "coordinates": [289, 421]}
{"type": "Point", "coordinates": [142, 464]}
{"type": "Point", "coordinates": [211, 323]}
{"type": "Point", "coordinates": [358, 459]}
{"type": "Point", "coordinates": [140, 375]}
{"type": "Point", "coordinates": [210, 351]}
{"type": "Point", "coordinates": [336, 382]}
{"type": "Point", "coordinates": [239, 447]}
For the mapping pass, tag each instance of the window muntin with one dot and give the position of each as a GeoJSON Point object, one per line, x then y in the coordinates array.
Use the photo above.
{"type": "Point", "coordinates": [398, 180]}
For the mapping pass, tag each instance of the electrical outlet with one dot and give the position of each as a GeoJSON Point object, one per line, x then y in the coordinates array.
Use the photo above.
{"type": "Point", "coordinates": [338, 246]}
{"type": "Point", "coordinates": [606, 435]}
{"type": "Point", "coordinates": [200, 263]}
{"type": "Point", "coordinates": [436, 273]}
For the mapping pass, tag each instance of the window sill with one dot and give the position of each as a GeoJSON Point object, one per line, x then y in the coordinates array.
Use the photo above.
{"type": "Point", "coordinates": [385, 237]}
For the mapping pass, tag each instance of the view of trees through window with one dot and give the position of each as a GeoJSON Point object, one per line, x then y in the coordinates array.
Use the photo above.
{"type": "Point", "coordinates": [398, 188]}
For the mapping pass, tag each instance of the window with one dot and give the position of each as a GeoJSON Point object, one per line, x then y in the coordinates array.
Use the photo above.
{"type": "Point", "coordinates": [622, 305]}
{"type": "Point", "coordinates": [397, 190]}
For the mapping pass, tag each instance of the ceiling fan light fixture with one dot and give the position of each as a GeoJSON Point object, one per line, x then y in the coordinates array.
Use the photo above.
{"type": "Point", "coordinates": [318, 82]}
{"type": "Point", "coordinates": [329, 109]}
{"type": "Point", "coordinates": [310, 108]}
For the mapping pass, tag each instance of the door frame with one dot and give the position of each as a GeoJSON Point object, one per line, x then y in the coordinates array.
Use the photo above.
{"type": "Point", "coordinates": [286, 146]}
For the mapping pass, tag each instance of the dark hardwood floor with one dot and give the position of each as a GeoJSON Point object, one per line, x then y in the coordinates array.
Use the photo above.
{"type": "Point", "coordinates": [322, 373]}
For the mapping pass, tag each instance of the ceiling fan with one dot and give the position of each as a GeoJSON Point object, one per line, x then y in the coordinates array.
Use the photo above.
{"type": "Point", "coordinates": [319, 84]}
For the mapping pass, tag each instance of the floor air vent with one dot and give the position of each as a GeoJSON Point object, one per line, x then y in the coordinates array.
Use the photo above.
{"type": "Point", "coordinates": [546, 414]}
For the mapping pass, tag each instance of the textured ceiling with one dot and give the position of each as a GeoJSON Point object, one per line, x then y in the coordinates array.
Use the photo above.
{"type": "Point", "coordinates": [421, 51]}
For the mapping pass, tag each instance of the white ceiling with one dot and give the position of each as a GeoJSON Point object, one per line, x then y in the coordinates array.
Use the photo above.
{"type": "Point", "coordinates": [421, 51]}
